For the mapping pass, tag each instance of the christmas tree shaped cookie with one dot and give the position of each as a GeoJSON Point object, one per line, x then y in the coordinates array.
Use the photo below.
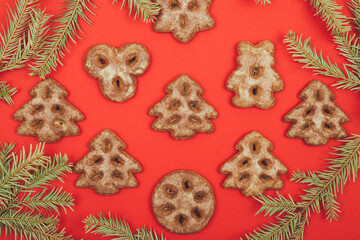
{"type": "Point", "coordinates": [184, 18]}
{"type": "Point", "coordinates": [48, 116]}
{"type": "Point", "coordinates": [254, 168]}
{"type": "Point", "coordinates": [107, 167]}
{"type": "Point", "coordinates": [183, 112]}
{"type": "Point", "coordinates": [317, 119]}
{"type": "Point", "coordinates": [254, 81]}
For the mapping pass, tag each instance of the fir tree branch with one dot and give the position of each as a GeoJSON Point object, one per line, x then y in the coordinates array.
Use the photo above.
{"type": "Point", "coordinates": [18, 21]}
{"type": "Point", "coordinates": [339, 26]}
{"type": "Point", "coordinates": [341, 169]}
{"type": "Point", "coordinates": [354, 7]}
{"type": "Point", "coordinates": [303, 53]}
{"type": "Point", "coordinates": [49, 201]}
{"type": "Point", "coordinates": [144, 234]}
{"type": "Point", "coordinates": [22, 208]}
{"type": "Point", "coordinates": [38, 29]}
{"type": "Point", "coordinates": [263, 2]}
{"type": "Point", "coordinates": [67, 27]}
{"type": "Point", "coordinates": [329, 11]}
{"type": "Point", "coordinates": [21, 169]}
{"type": "Point", "coordinates": [6, 92]}
{"type": "Point", "coordinates": [36, 234]}
{"type": "Point", "coordinates": [280, 205]}
{"type": "Point", "coordinates": [145, 9]}
{"type": "Point", "coordinates": [108, 227]}
{"type": "Point", "coordinates": [114, 227]}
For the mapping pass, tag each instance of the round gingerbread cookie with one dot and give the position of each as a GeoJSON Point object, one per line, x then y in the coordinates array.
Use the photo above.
{"type": "Point", "coordinates": [183, 202]}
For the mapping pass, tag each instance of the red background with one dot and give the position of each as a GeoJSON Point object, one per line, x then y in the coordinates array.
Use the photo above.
{"type": "Point", "coordinates": [209, 58]}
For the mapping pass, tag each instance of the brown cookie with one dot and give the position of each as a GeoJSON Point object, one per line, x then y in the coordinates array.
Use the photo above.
{"type": "Point", "coordinates": [183, 202]}
{"type": "Point", "coordinates": [317, 119]}
{"type": "Point", "coordinates": [254, 81]}
{"type": "Point", "coordinates": [48, 116]}
{"type": "Point", "coordinates": [184, 18]}
{"type": "Point", "coordinates": [183, 112]}
{"type": "Point", "coordinates": [107, 167]}
{"type": "Point", "coordinates": [253, 169]}
{"type": "Point", "coordinates": [117, 68]}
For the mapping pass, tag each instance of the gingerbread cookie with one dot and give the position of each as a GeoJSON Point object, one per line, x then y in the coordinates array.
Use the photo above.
{"type": "Point", "coordinates": [253, 169]}
{"type": "Point", "coordinates": [183, 112]}
{"type": "Point", "coordinates": [117, 68]}
{"type": "Point", "coordinates": [107, 167]}
{"type": "Point", "coordinates": [48, 116]}
{"type": "Point", "coordinates": [183, 202]}
{"type": "Point", "coordinates": [184, 18]}
{"type": "Point", "coordinates": [254, 81]}
{"type": "Point", "coordinates": [317, 119]}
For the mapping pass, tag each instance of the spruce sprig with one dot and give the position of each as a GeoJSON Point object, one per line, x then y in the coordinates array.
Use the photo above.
{"type": "Point", "coordinates": [64, 28]}
{"type": "Point", "coordinates": [16, 30]}
{"type": "Point", "coordinates": [347, 43]}
{"type": "Point", "coordinates": [302, 52]}
{"type": "Point", "coordinates": [6, 92]}
{"type": "Point", "coordinates": [115, 227]}
{"type": "Point", "coordinates": [22, 209]}
{"type": "Point", "coordinates": [292, 217]}
{"type": "Point", "coordinates": [145, 9]}
{"type": "Point", "coordinates": [263, 2]}
{"type": "Point", "coordinates": [31, 43]}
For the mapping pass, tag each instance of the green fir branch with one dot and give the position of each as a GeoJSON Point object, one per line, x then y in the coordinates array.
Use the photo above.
{"type": "Point", "coordinates": [145, 9]}
{"type": "Point", "coordinates": [6, 93]}
{"type": "Point", "coordinates": [38, 28]}
{"type": "Point", "coordinates": [291, 223]}
{"type": "Point", "coordinates": [329, 11]}
{"type": "Point", "coordinates": [115, 227]}
{"type": "Point", "coordinates": [23, 209]}
{"type": "Point", "coordinates": [302, 52]}
{"type": "Point", "coordinates": [48, 200]}
{"type": "Point", "coordinates": [339, 26]}
{"type": "Point", "coordinates": [66, 28]}
{"type": "Point", "coordinates": [280, 205]}
{"type": "Point", "coordinates": [18, 22]}
{"type": "Point", "coordinates": [263, 2]}
{"type": "Point", "coordinates": [354, 7]}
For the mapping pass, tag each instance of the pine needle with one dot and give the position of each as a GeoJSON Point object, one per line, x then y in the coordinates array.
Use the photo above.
{"type": "Point", "coordinates": [324, 188]}
{"type": "Point", "coordinates": [22, 208]}
{"type": "Point", "coordinates": [66, 28]}
{"type": "Point", "coordinates": [145, 9]}
{"type": "Point", "coordinates": [263, 2]}
{"type": "Point", "coordinates": [115, 227]}
{"type": "Point", "coordinates": [18, 22]}
{"type": "Point", "coordinates": [302, 52]}
{"type": "Point", "coordinates": [6, 92]}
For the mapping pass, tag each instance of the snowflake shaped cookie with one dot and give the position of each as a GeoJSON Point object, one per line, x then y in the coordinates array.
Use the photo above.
{"type": "Point", "coordinates": [184, 18]}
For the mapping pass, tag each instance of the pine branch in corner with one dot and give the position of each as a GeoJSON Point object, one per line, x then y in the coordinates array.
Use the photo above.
{"type": "Point", "coordinates": [145, 9]}
{"type": "Point", "coordinates": [18, 21]}
{"type": "Point", "coordinates": [324, 187]}
{"type": "Point", "coordinates": [25, 212]}
{"type": "Point", "coordinates": [36, 34]}
{"type": "Point", "coordinates": [65, 28]}
{"type": "Point", "coordinates": [6, 92]}
{"type": "Point", "coordinates": [302, 52]}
